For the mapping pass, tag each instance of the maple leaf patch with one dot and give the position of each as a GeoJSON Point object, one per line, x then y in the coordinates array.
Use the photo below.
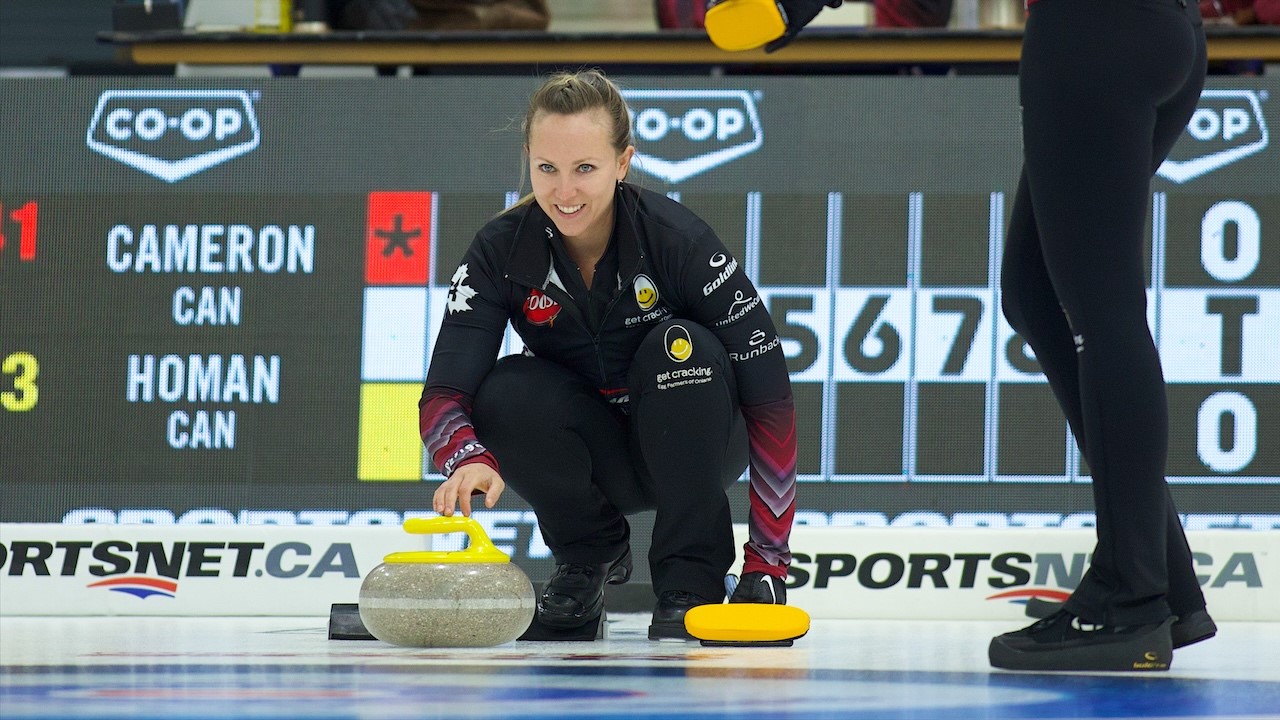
{"type": "Point", "coordinates": [459, 291]}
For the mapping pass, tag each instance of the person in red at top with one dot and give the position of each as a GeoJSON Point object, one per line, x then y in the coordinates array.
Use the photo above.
{"type": "Point", "coordinates": [912, 13]}
{"type": "Point", "coordinates": [1242, 12]}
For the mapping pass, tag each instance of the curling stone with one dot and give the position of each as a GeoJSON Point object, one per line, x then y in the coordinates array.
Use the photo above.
{"type": "Point", "coordinates": [467, 598]}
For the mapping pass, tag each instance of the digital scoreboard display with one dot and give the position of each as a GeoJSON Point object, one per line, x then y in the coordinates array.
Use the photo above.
{"type": "Point", "coordinates": [218, 299]}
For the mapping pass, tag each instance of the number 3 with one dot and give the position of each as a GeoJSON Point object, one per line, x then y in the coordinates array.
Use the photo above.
{"type": "Point", "coordinates": [24, 383]}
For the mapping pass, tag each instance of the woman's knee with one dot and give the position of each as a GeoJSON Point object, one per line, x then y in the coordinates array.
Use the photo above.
{"type": "Point", "coordinates": [678, 352]}
{"type": "Point", "coordinates": [682, 370]}
{"type": "Point", "coordinates": [520, 388]}
{"type": "Point", "coordinates": [509, 375]}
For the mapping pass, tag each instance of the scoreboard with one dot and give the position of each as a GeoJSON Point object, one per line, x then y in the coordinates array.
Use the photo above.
{"type": "Point", "coordinates": [218, 299]}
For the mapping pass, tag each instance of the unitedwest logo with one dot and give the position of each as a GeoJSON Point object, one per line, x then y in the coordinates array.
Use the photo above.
{"type": "Point", "coordinates": [173, 134]}
{"type": "Point", "coordinates": [685, 132]}
{"type": "Point", "coordinates": [1227, 126]}
{"type": "Point", "coordinates": [145, 569]}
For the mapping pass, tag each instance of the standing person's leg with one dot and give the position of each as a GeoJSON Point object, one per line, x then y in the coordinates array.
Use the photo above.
{"type": "Point", "coordinates": [692, 439]}
{"type": "Point", "coordinates": [1087, 139]}
{"type": "Point", "coordinates": [1185, 596]}
{"type": "Point", "coordinates": [1033, 309]}
{"type": "Point", "coordinates": [565, 451]}
{"type": "Point", "coordinates": [1089, 116]}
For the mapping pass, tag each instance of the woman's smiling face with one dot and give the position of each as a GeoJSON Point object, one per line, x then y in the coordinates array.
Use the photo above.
{"type": "Point", "coordinates": [574, 171]}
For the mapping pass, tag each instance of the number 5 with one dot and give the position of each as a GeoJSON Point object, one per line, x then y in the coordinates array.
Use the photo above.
{"type": "Point", "coordinates": [780, 307]}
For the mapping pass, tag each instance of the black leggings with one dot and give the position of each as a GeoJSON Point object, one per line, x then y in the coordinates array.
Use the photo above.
{"type": "Point", "coordinates": [1107, 87]}
{"type": "Point", "coordinates": [583, 465]}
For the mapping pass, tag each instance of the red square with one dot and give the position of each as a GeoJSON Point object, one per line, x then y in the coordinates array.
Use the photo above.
{"type": "Point", "coordinates": [398, 238]}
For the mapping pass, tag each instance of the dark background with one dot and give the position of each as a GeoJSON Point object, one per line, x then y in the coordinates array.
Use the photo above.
{"type": "Point", "coordinates": [326, 144]}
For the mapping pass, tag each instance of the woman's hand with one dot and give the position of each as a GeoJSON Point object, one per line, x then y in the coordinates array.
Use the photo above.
{"type": "Point", "coordinates": [457, 489]}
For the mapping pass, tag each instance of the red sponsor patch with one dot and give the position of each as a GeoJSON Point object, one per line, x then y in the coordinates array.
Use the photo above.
{"type": "Point", "coordinates": [540, 309]}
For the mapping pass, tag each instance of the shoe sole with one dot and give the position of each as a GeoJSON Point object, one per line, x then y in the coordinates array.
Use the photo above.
{"type": "Point", "coordinates": [669, 631]}
{"type": "Point", "coordinates": [568, 622]}
{"type": "Point", "coordinates": [1195, 627]}
{"type": "Point", "coordinates": [1149, 652]}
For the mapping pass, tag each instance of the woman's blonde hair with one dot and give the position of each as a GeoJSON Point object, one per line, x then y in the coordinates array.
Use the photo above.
{"type": "Point", "coordinates": [570, 93]}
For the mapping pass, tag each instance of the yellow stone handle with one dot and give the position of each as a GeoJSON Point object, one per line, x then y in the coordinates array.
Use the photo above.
{"type": "Point", "coordinates": [480, 549]}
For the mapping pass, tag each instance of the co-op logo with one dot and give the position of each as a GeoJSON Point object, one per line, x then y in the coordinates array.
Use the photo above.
{"type": "Point", "coordinates": [1227, 126]}
{"type": "Point", "coordinates": [173, 134]}
{"type": "Point", "coordinates": [685, 132]}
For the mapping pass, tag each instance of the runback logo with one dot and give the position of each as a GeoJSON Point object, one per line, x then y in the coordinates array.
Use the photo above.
{"type": "Point", "coordinates": [1226, 127]}
{"type": "Point", "coordinates": [173, 134]}
{"type": "Point", "coordinates": [685, 132]}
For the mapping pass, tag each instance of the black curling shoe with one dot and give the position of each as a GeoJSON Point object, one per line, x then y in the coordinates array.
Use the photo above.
{"type": "Point", "coordinates": [668, 616]}
{"type": "Point", "coordinates": [1062, 642]}
{"type": "Point", "coordinates": [1188, 629]}
{"type": "Point", "coordinates": [1191, 628]}
{"type": "Point", "coordinates": [574, 595]}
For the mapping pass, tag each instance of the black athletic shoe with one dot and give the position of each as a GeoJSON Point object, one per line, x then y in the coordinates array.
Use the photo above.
{"type": "Point", "coordinates": [1062, 642]}
{"type": "Point", "coordinates": [1188, 629]}
{"type": "Point", "coordinates": [756, 587]}
{"type": "Point", "coordinates": [1191, 628]}
{"type": "Point", "coordinates": [668, 616]}
{"type": "Point", "coordinates": [574, 595]}
{"type": "Point", "coordinates": [1039, 608]}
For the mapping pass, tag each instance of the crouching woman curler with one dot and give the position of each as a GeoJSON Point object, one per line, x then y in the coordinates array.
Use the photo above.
{"type": "Point", "coordinates": [652, 377]}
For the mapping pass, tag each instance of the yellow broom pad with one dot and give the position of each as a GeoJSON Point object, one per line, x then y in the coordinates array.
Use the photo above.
{"type": "Point", "coordinates": [746, 622]}
{"type": "Point", "coordinates": [744, 24]}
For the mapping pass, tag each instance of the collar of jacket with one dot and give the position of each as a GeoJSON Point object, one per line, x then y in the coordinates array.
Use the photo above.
{"type": "Point", "coordinates": [529, 263]}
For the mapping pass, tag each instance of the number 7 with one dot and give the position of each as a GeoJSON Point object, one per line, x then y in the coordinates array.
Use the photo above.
{"type": "Point", "coordinates": [970, 310]}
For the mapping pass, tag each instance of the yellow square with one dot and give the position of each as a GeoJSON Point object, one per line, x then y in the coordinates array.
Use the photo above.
{"type": "Point", "coordinates": [390, 448]}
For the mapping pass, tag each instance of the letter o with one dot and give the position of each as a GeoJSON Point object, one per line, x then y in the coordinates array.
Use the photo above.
{"type": "Point", "coordinates": [1244, 432]}
{"type": "Point", "coordinates": [652, 124]}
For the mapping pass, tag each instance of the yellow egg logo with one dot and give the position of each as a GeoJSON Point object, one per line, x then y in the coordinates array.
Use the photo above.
{"type": "Point", "coordinates": [679, 344]}
{"type": "Point", "coordinates": [646, 292]}
{"type": "Point", "coordinates": [680, 349]}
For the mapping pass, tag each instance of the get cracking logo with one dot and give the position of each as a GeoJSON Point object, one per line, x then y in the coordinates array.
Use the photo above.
{"type": "Point", "coordinates": [679, 344]}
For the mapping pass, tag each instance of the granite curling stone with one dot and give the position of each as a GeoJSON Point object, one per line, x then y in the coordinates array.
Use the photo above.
{"type": "Point", "coordinates": [474, 597]}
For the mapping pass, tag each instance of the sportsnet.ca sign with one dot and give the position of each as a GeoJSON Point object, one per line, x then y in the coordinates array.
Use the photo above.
{"type": "Point", "coordinates": [837, 572]}
{"type": "Point", "coordinates": [58, 569]}
{"type": "Point", "coordinates": [989, 574]}
{"type": "Point", "coordinates": [173, 134]}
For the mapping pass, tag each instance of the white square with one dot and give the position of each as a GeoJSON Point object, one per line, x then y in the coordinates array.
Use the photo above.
{"type": "Point", "coordinates": [395, 322]}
